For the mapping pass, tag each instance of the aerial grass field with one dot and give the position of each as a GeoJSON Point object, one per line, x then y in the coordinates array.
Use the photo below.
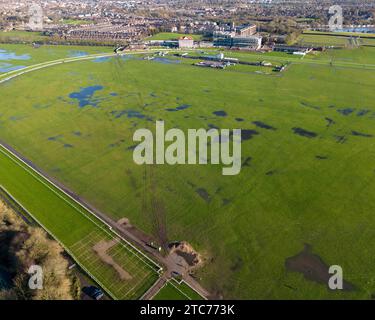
{"type": "Point", "coordinates": [305, 194]}
{"type": "Point", "coordinates": [17, 56]}
{"type": "Point", "coordinates": [176, 291]}
{"type": "Point", "coordinates": [82, 235]}
{"type": "Point", "coordinates": [339, 39]}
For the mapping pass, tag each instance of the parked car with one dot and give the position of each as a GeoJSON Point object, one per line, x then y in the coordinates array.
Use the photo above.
{"type": "Point", "coordinates": [93, 292]}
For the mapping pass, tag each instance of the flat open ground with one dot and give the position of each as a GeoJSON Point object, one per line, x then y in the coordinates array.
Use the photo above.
{"type": "Point", "coordinates": [175, 291]}
{"type": "Point", "coordinates": [307, 176]}
{"type": "Point", "coordinates": [78, 231]}
{"type": "Point", "coordinates": [18, 56]}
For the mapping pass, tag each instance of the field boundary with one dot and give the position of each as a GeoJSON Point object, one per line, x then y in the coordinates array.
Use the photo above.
{"type": "Point", "coordinates": [56, 239]}
{"type": "Point", "coordinates": [170, 281]}
{"type": "Point", "coordinates": [41, 174]}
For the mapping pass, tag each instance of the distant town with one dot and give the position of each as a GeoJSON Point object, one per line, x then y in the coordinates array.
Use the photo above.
{"type": "Point", "coordinates": [243, 25]}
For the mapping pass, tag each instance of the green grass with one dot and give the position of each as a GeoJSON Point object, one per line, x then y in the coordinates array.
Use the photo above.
{"type": "Point", "coordinates": [76, 229]}
{"type": "Point", "coordinates": [44, 53]}
{"type": "Point", "coordinates": [173, 36]}
{"type": "Point", "coordinates": [344, 34]}
{"type": "Point", "coordinates": [26, 36]}
{"type": "Point", "coordinates": [339, 39]}
{"type": "Point", "coordinates": [75, 22]}
{"type": "Point", "coordinates": [284, 198]}
{"type": "Point", "coordinates": [175, 291]}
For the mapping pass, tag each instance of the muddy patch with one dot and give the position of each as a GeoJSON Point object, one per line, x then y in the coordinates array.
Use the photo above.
{"type": "Point", "coordinates": [304, 133]}
{"type": "Point", "coordinates": [262, 125]}
{"type": "Point", "coordinates": [203, 194]}
{"type": "Point", "coordinates": [362, 113]}
{"type": "Point", "coordinates": [101, 250]}
{"type": "Point", "coordinates": [186, 251]}
{"type": "Point", "coordinates": [340, 139]}
{"type": "Point", "coordinates": [309, 105]}
{"type": "Point", "coordinates": [270, 173]}
{"type": "Point", "coordinates": [346, 111]}
{"type": "Point", "coordinates": [125, 224]}
{"type": "Point", "coordinates": [237, 264]}
{"type": "Point", "coordinates": [179, 108]}
{"type": "Point", "coordinates": [330, 122]}
{"type": "Point", "coordinates": [360, 134]}
{"type": "Point", "coordinates": [247, 134]}
{"type": "Point", "coordinates": [246, 162]}
{"type": "Point", "coordinates": [312, 267]}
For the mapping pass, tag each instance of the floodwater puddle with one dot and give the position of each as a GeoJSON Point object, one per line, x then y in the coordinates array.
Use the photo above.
{"type": "Point", "coordinates": [8, 56]}
{"type": "Point", "coordinates": [304, 133]}
{"type": "Point", "coordinates": [220, 113]}
{"type": "Point", "coordinates": [77, 54]}
{"type": "Point", "coordinates": [179, 108]}
{"type": "Point", "coordinates": [85, 96]}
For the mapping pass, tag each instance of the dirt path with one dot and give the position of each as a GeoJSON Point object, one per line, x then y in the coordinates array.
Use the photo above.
{"type": "Point", "coordinates": [101, 249]}
{"type": "Point", "coordinates": [155, 289]}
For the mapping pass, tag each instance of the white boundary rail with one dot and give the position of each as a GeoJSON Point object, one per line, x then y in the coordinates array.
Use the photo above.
{"type": "Point", "coordinates": [112, 233]}
{"type": "Point", "coordinates": [65, 248]}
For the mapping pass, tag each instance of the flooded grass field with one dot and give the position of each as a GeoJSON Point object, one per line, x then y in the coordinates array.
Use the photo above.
{"type": "Point", "coordinates": [307, 173]}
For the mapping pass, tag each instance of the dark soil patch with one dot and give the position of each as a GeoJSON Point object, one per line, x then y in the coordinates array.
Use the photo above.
{"type": "Point", "coordinates": [179, 108]}
{"type": "Point", "coordinates": [346, 111]}
{"type": "Point", "coordinates": [55, 138]}
{"type": "Point", "coordinates": [312, 267]}
{"type": "Point", "coordinates": [359, 134]}
{"type": "Point", "coordinates": [262, 125]}
{"type": "Point", "coordinates": [237, 265]}
{"type": "Point", "coordinates": [247, 161]}
{"type": "Point", "coordinates": [226, 202]}
{"type": "Point", "coordinates": [330, 122]}
{"type": "Point", "coordinates": [341, 139]}
{"type": "Point", "coordinates": [304, 133]}
{"type": "Point", "coordinates": [362, 113]}
{"type": "Point", "coordinates": [247, 134]}
{"type": "Point", "coordinates": [203, 194]}
{"type": "Point", "coordinates": [190, 258]}
{"type": "Point", "coordinates": [308, 105]}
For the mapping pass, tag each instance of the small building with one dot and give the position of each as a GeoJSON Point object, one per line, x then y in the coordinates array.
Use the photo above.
{"type": "Point", "coordinates": [246, 30]}
{"type": "Point", "coordinates": [292, 49]}
{"type": "Point", "coordinates": [227, 39]}
{"type": "Point", "coordinates": [186, 42]}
